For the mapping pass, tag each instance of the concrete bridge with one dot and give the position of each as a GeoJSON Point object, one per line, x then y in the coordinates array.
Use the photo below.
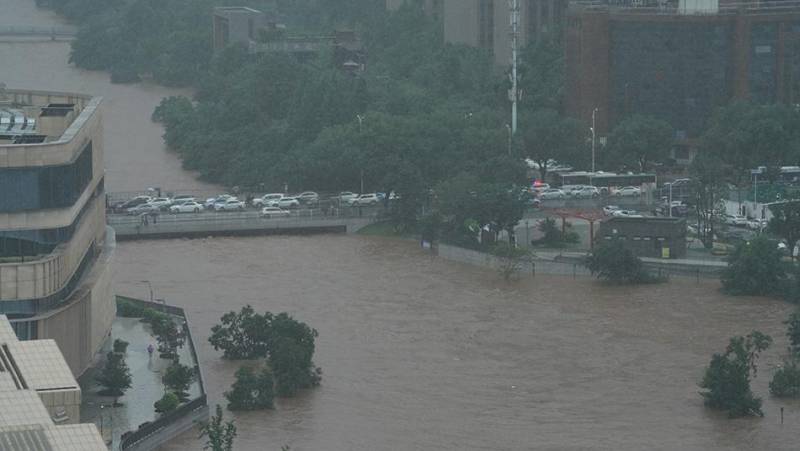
{"type": "Point", "coordinates": [201, 225]}
{"type": "Point", "coordinates": [52, 33]}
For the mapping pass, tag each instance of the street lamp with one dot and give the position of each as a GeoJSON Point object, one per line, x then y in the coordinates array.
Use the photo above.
{"type": "Point", "coordinates": [150, 286]}
{"type": "Point", "coordinates": [360, 131]}
{"type": "Point", "coordinates": [594, 134]}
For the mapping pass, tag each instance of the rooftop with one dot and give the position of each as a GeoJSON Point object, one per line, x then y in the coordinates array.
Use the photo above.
{"type": "Point", "coordinates": [688, 7]}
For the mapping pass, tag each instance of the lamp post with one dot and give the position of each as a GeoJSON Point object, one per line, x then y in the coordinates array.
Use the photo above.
{"type": "Point", "coordinates": [594, 135]}
{"type": "Point", "coordinates": [360, 132]}
{"type": "Point", "coordinates": [150, 286]}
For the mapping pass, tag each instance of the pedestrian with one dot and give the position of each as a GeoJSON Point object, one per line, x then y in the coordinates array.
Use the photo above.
{"type": "Point", "coordinates": [155, 217]}
{"type": "Point", "coordinates": [150, 349]}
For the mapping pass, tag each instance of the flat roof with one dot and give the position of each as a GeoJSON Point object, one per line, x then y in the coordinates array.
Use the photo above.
{"type": "Point", "coordinates": [28, 409]}
{"type": "Point", "coordinates": [39, 437]}
{"type": "Point", "coordinates": [42, 365]}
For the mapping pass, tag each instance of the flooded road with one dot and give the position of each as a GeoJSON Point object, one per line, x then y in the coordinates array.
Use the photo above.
{"type": "Point", "coordinates": [419, 353]}
{"type": "Point", "coordinates": [423, 354]}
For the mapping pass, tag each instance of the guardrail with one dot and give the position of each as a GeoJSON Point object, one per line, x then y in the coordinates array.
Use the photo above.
{"type": "Point", "coordinates": [193, 410]}
{"type": "Point", "coordinates": [17, 30]}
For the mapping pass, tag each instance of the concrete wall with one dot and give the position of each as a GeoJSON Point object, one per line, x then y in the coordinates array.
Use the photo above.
{"type": "Point", "coordinates": [62, 402]}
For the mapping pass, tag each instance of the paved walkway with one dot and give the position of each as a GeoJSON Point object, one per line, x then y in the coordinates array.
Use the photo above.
{"type": "Point", "coordinates": [146, 388]}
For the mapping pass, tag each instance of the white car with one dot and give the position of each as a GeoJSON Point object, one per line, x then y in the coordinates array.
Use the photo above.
{"type": "Point", "coordinates": [628, 191]}
{"type": "Point", "coordinates": [610, 209]}
{"type": "Point", "coordinates": [346, 196]}
{"type": "Point", "coordinates": [162, 203]}
{"type": "Point", "coordinates": [229, 205]}
{"type": "Point", "coordinates": [182, 198]}
{"type": "Point", "coordinates": [586, 192]}
{"type": "Point", "coordinates": [215, 200]}
{"type": "Point", "coordinates": [284, 202]}
{"type": "Point", "coordinates": [187, 207]}
{"type": "Point", "coordinates": [735, 220]}
{"type": "Point", "coordinates": [365, 199]}
{"type": "Point", "coordinates": [142, 208]}
{"type": "Point", "coordinates": [626, 214]}
{"type": "Point", "coordinates": [757, 224]}
{"type": "Point", "coordinates": [308, 197]}
{"type": "Point", "coordinates": [266, 199]}
{"type": "Point", "coordinates": [274, 212]}
{"type": "Point", "coordinates": [551, 193]}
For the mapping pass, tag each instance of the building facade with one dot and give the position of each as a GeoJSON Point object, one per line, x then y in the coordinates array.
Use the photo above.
{"type": "Point", "coordinates": [487, 23]}
{"type": "Point", "coordinates": [656, 237]}
{"type": "Point", "coordinates": [55, 253]}
{"type": "Point", "coordinates": [678, 61]}
{"type": "Point", "coordinates": [40, 397]}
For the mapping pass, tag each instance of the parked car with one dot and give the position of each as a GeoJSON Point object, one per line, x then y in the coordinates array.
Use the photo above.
{"type": "Point", "coordinates": [586, 192]}
{"type": "Point", "coordinates": [365, 199]}
{"type": "Point", "coordinates": [135, 202]}
{"type": "Point", "coordinates": [569, 189]}
{"type": "Point", "coordinates": [308, 198]}
{"type": "Point", "coordinates": [274, 212]}
{"type": "Point", "coordinates": [229, 205]}
{"type": "Point", "coordinates": [629, 191]}
{"type": "Point", "coordinates": [266, 199]}
{"type": "Point", "coordinates": [162, 203]}
{"type": "Point", "coordinates": [551, 193]}
{"type": "Point", "coordinates": [209, 204]}
{"type": "Point", "coordinates": [538, 188]}
{"type": "Point", "coordinates": [626, 214]}
{"type": "Point", "coordinates": [610, 209]}
{"type": "Point", "coordinates": [187, 207]}
{"type": "Point", "coordinates": [142, 208]}
{"type": "Point", "coordinates": [284, 202]}
{"type": "Point", "coordinates": [346, 196]}
{"type": "Point", "coordinates": [735, 220]}
{"type": "Point", "coordinates": [757, 224]}
{"type": "Point", "coordinates": [183, 198]}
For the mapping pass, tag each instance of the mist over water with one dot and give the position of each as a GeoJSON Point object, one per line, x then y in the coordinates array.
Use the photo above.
{"type": "Point", "coordinates": [419, 353]}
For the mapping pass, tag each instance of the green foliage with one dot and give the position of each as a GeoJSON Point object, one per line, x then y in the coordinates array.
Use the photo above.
{"type": "Point", "coordinates": [754, 268]}
{"type": "Point", "coordinates": [219, 435]}
{"type": "Point", "coordinates": [115, 376]}
{"type": "Point", "coordinates": [120, 346]}
{"type": "Point", "coordinates": [128, 309]}
{"type": "Point", "coordinates": [709, 188]}
{"type": "Point", "coordinates": [553, 237]}
{"type": "Point", "coordinates": [785, 382]}
{"type": "Point", "coordinates": [510, 259]}
{"type": "Point", "coordinates": [616, 264]}
{"type": "Point", "coordinates": [168, 336]}
{"type": "Point", "coordinates": [785, 221]}
{"type": "Point", "coordinates": [251, 391]}
{"type": "Point", "coordinates": [793, 333]}
{"type": "Point", "coordinates": [726, 382]}
{"type": "Point", "coordinates": [640, 139]}
{"type": "Point", "coordinates": [547, 136]}
{"type": "Point", "coordinates": [242, 335]}
{"type": "Point", "coordinates": [167, 403]}
{"type": "Point", "coordinates": [178, 378]}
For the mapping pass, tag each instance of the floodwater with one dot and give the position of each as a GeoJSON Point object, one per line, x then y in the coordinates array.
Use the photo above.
{"type": "Point", "coordinates": [419, 353]}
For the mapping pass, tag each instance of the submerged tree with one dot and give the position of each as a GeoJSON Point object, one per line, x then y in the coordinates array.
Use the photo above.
{"type": "Point", "coordinates": [219, 435]}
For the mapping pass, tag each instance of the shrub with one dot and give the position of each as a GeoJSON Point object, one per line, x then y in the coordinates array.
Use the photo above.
{"type": "Point", "coordinates": [219, 435]}
{"type": "Point", "coordinates": [251, 391]}
{"type": "Point", "coordinates": [727, 378]}
{"type": "Point", "coordinates": [553, 236]}
{"type": "Point", "coordinates": [120, 346]}
{"type": "Point", "coordinates": [167, 403]}
{"type": "Point", "coordinates": [128, 309]}
{"type": "Point", "coordinates": [510, 259]}
{"type": "Point", "coordinates": [793, 332]}
{"type": "Point", "coordinates": [785, 382]}
{"type": "Point", "coordinates": [177, 378]}
{"type": "Point", "coordinates": [754, 268]}
{"type": "Point", "coordinates": [115, 376]}
{"type": "Point", "coordinates": [613, 262]}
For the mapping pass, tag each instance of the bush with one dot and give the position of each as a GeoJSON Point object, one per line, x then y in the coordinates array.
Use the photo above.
{"type": "Point", "coordinates": [727, 378]}
{"type": "Point", "coordinates": [793, 332]}
{"type": "Point", "coordinates": [178, 378]}
{"type": "Point", "coordinates": [785, 382]}
{"type": "Point", "coordinates": [120, 346]}
{"type": "Point", "coordinates": [613, 262]}
{"type": "Point", "coordinates": [128, 309]}
{"type": "Point", "coordinates": [510, 259]}
{"type": "Point", "coordinates": [115, 376]}
{"type": "Point", "coordinates": [251, 391]}
{"type": "Point", "coordinates": [754, 268]}
{"type": "Point", "coordinates": [553, 236]}
{"type": "Point", "coordinates": [167, 403]}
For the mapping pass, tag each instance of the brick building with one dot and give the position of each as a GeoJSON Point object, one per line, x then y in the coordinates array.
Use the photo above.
{"type": "Point", "coordinates": [679, 60]}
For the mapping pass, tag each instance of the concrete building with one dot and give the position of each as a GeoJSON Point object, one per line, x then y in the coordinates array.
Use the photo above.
{"type": "Point", "coordinates": [487, 24]}
{"type": "Point", "coordinates": [239, 24]}
{"type": "Point", "coordinates": [55, 253]}
{"type": "Point", "coordinates": [678, 60]}
{"type": "Point", "coordinates": [432, 7]}
{"type": "Point", "coordinates": [40, 398]}
{"type": "Point", "coordinates": [657, 237]}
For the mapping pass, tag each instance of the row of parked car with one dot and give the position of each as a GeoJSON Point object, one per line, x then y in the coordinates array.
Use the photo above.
{"type": "Point", "coordinates": [545, 192]}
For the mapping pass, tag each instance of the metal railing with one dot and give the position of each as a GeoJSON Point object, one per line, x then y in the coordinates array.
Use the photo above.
{"type": "Point", "coordinates": [17, 30]}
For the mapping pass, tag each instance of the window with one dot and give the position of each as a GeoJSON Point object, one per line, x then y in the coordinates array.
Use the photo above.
{"type": "Point", "coordinates": [45, 187]}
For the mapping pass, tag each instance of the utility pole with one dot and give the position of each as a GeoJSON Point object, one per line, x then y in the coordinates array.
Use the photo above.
{"type": "Point", "coordinates": [594, 135]}
{"type": "Point", "coordinates": [513, 95]}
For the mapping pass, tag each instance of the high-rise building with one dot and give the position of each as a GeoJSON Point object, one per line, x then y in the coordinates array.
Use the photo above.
{"type": "Point", "coordinates": [55, 252]}
{"type": "Point", "coordinates": [487, 23]}
{"type": "Point", "coordinates": [678, 60]}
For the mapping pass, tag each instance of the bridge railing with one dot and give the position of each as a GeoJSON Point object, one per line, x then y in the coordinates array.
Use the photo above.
{"type": "Point", "coordinates": [21, 30]}
{"type": "Point", "coordinates": [304, 215]}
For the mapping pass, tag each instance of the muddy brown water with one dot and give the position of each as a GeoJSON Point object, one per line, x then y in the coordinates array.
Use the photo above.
{"type": "Point", "coordinates": [420, 353]}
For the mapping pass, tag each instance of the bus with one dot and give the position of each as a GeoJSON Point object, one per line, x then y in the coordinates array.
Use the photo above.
{"type": "Point", "coordinates": [607, 180]}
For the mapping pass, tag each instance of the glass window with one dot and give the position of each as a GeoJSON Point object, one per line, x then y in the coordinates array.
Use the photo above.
{"type": "Point", "coordinates": [45, 187]}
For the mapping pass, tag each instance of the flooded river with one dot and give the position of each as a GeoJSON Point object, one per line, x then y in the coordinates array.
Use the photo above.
{"type": "Point", "coordinates": [419, 353]}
